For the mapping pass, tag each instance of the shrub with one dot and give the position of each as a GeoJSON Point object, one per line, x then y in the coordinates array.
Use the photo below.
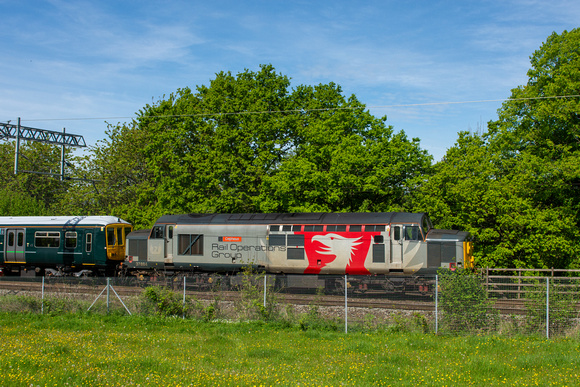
{"type": "Point", "coordinates": [162, 302]}
{"type": "Point", "coordinates": [562, 306]}
{"type": "Point", "coordinates": [464, 303]}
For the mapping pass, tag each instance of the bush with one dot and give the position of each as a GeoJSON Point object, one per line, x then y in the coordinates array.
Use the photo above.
{"type": "Point", "coordinates": [562, 306]}
{"type": "Point", "coordinates": [464, 303]}
{"type": "Point", "coordinates": [162, 302]}
{"type": "Point", "coordinates": [251, 305]}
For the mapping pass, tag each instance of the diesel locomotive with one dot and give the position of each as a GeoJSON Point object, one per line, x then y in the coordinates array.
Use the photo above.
{"type": "Point", "coordinates": [297, 243]}
{"type": "Point", "coordinates": [62, 244]}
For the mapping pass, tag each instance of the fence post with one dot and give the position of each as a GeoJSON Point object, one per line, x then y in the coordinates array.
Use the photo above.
{"type": "Point", "coordinates": [345, 304]}
{"type": "Point", "coordinates": [547, 307]}
{"type": "Point", "coordinates": [184, 283]}
{"type": "Point", "coordinates": [42, 302]}
{"type": "Point", "coordinates": [108, 293]}
{"type": "Point", "coordinates": [436, 303]}
{"type": "Point", "coordinates": [265, 281]}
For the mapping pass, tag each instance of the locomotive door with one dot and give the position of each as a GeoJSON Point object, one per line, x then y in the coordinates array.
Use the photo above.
{"type": "Point", "coordinates": [396, 247]}
{"type": "Point", "coordinates": [14, 245]}
{"type": "Point", "coordinates": [161, 244]}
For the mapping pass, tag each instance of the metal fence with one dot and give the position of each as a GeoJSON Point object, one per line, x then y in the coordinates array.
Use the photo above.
{"type": "Point", "coordinates": [442, 304]}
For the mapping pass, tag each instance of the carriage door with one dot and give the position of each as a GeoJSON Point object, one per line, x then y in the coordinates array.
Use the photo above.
{"type": "Point", "coordinates": [396, 247]}
{"type": "Point", "coordinates": [15, 245]}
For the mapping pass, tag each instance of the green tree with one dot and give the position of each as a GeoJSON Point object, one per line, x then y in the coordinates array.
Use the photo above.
{"type": "Point", "coordinates": [41, 192]}
{"type": "Point", "coordinates": [515, 188]}
{"type": "Point", "coordinates": [343, 159]}
{"type": "Point", "coordinates": [250, 143]}
{"type": "Point", "coordinates": [114, 178]}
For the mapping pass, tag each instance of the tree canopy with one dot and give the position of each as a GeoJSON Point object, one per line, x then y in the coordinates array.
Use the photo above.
{"type": "Point", "coordinates": [250, 143]}
{"type": "Point", "coordinates": [516, 187]}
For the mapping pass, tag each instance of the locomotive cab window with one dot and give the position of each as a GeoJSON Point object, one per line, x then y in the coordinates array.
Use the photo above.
{"type": "Point", "coordinates": [158, 232]}
{"type": "Point", "coordinates": [412, 233]}
{"type": "Point", "coordinates": [111, 239]}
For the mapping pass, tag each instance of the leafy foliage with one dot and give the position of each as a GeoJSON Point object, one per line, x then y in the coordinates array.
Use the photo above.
{"type": "Point", "coordinates": [29, 193]}
{"type": "Point", "coordinates": [464, 303]}
{"type": "Point", "coordinates": [516, 187]}
{"type": "Point", "coordinates": [163, 302]}
{"type": "Point", "coordinates": [561, 299]}
{"type": "Point", "coordinates": [249, 143]}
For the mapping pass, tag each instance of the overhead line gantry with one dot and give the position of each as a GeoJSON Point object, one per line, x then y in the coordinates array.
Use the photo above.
{"type": "Point", "coordinates": [19, 132]}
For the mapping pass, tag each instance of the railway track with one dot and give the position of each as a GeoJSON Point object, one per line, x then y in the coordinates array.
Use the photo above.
{"type": "Point", "coordinates": [370, 300]}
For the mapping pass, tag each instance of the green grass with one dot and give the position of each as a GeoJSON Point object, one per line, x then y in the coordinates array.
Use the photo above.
{"type": "Point", "coordinates": [96, 350]}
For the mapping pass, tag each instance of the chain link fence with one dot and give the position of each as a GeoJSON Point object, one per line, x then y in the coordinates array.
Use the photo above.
{"type": "Point", "coordinates": [448, 303]}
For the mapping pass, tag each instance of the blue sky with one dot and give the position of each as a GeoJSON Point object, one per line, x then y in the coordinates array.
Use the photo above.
{"type": "Point", "coordinates": [78, 64]}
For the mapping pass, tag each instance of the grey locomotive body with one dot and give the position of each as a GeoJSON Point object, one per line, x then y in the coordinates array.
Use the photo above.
{"type": "Point", "coordinates": [297, 243]}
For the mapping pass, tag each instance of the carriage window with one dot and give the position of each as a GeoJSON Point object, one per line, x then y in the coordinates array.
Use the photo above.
{"type": "Point", "coordinates": [70, 240]}
{"type": "Point", "coordinates": [375, 228]}
{"type": "Point", "coordinates": [287, 228]}
{"type": "Point", "coordinates": [47, 239]}
{"type": "Point", "coordinates": [277, 240]}
{"type": "Point", "coordinates": [312, 227]}
{"type": "Point", "coordinates": [120, 236]}
{"type": "Point", "coordinates": [190, 244]}
{"type": "Point", "coordinates": [296, 228]}
{"type": "Point", "coordinates": [274, 228]}
{"type": "Point", "coordinates": [412, 233]}
{"type": "Point", "coordinates": [111, 236]}
{"type": "Point", "coordinates": [127, 232]}
{"type": "Point", "coordinates": [355, 228]}
{"type": "Point", "coordinates": [89, 242]}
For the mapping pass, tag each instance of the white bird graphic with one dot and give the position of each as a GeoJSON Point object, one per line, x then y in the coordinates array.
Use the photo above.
{"type": "Point", "coordinates": [343, 248]}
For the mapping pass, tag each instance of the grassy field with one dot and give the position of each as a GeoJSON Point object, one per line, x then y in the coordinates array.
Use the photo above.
{"type": "Point", "coordinates": [96, 350]}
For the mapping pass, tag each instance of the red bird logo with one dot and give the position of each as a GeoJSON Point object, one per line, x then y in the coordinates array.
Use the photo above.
{"type": "Point", "coordinates": [337, 253]}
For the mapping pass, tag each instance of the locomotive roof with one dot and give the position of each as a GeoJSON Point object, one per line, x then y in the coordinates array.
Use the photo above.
{"type": "Point", "coordinates": [447, 235]}
{"type": "Point", "coordinates": [296, 218]}
{"type": "Point", "coordinates": [64, 221]}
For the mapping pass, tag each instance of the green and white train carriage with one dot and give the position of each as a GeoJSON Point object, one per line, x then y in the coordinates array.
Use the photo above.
{"type": "Point", "coordinates": [62, 244]}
